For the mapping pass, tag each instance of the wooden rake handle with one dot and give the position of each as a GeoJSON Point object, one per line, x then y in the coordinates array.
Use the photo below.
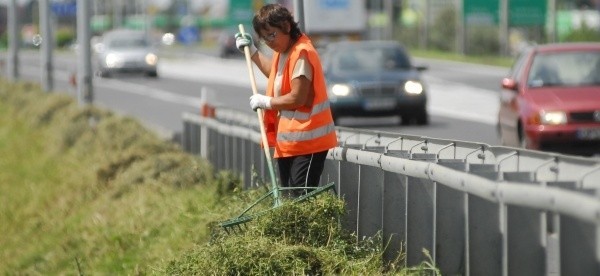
{"type": "Point", "coordinates": [259, 111]}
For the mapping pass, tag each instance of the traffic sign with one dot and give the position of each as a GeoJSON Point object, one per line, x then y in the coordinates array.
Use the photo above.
{"type": "Point", "coordinates": [64, 9]}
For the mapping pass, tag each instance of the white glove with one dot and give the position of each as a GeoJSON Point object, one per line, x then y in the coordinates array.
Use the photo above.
{"type": "Point", "coordinates": [242, 41]}
{"type": "Point", "coordinates": [260, 101]}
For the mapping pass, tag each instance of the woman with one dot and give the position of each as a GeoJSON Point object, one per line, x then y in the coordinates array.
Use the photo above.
{"type": "Point", "coordinates": [298, 119]}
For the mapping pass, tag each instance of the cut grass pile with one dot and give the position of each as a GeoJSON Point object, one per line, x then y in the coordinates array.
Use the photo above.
{"type": "Point", "coordinates": [85, 191]}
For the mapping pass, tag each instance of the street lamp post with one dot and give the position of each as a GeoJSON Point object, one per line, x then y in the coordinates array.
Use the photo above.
{"type": "Point", "coordinates": [46, 46]}
{"type": "Point", "coordinates": [84, 63]}
{"type": "Point", "coordinates": [12, 63]}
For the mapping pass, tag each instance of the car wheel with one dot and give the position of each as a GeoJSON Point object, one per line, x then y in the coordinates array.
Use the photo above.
{"type": "Point", "coordinates": [404, 120]}
{"type": "Point", "coordinates": [421, 117]}
{"type": "Point", "coordinates": [152, 74]}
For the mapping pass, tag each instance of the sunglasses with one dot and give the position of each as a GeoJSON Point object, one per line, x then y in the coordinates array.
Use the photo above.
{"type": "Point", "coordinates": [270, 37]}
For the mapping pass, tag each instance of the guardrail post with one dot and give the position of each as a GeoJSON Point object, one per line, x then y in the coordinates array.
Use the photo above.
{"type": "Point", "coordinates": [331, 172]}
{"type": "Point", "coordinates": [525, 232]}
{"type": "Point", "coordinates": [420, 222]}
{"type": "Point", "coordinates": [227, 153]}
{"type": "Point", "coordinates": [349, 192]}
{"type": "Point", "coordinates": [394, 214]}
{"type": "Point", "coordinates": [370, 188]}
{"type": "Point", "coordinates": [247, 161]}
{"type": "Point", "coordinates": [237, 155]}
{"type": "Point", "coordinates": [186, 136]}
{"type": "Point", "coordinates": [577, 241]}
{"type": "Point", "coordinates": [450, 254]}
{"type": "Point", "coordinates": [196, 141]}
{"type": "Point", "coordinates": [213, 144]}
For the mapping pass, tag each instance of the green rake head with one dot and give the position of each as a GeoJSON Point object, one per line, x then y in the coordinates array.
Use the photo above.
{"type": "Point", "coordinates": [238, 224]}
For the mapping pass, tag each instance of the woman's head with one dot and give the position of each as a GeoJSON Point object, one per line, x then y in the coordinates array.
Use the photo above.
{"type": "Point", "coordinates": [275, 16]}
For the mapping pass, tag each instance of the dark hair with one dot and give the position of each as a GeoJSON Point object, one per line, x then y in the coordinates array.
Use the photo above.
{"type": "Point", "coordinates": [275, 15]}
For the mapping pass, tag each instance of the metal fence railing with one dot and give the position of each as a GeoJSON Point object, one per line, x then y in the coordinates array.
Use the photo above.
{"type": "Point", "coordinates": [478, 209]}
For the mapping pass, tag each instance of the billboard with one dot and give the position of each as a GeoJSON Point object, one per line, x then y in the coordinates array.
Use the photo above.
{"type": "Point", "coordinates": [334, 16]}
{"type": "Point", "coordinates": [520, 12]}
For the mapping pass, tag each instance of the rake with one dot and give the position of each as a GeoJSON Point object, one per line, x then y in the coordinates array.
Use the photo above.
{"type": "Point", "coordinates": [274, 193]}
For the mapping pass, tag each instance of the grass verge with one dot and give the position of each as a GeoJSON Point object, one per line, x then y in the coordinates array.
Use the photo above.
{"type": "Point", "coordinates": [85, 191]}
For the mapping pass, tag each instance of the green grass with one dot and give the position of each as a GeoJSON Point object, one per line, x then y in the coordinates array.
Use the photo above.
{"type": "Point", "coordinates": [487, 60]}
{"type": "Point", "coordinates": [84, 191]}
{"type": "Point", "coordinates": [71, 192]}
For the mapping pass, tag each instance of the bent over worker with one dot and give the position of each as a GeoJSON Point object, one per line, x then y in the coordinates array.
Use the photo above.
{"type": "Point", "coordinates": [297, 118]}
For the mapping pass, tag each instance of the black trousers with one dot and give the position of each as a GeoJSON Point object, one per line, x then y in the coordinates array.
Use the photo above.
{"type": "Point", "coordinates": [301, 171]}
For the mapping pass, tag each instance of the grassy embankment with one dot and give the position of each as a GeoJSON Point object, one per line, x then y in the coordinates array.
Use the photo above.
{"type": "Point", "coordinates": [84, 191]}
{"type": "Point", "coordinates": [486, 60]}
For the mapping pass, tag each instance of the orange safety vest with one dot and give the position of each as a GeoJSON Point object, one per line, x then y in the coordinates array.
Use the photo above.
{"type": "Point", "coordinates": [306, 129]}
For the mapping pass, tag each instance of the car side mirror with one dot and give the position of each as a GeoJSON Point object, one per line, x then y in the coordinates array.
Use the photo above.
{"type": "Point", "coordinates": [510, 84]}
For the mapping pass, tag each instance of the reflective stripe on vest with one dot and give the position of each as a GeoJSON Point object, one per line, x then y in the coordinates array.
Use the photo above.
{"type": "Point", "coordinates": [303, 116]}
{"type": "Point", "coordinates": [306, 135]}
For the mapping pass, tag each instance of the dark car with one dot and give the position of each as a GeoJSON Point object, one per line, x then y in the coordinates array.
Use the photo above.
{"type": "Point", "coordinates": [551, 99]}
{"type": "Point", "coordinates": [374, 78]}
{"type": "Point", "coordinates": [123, 50]}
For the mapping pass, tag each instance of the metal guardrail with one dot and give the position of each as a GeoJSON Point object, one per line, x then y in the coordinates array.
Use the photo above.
{"type": "Point", "coordinates": [478, 209]}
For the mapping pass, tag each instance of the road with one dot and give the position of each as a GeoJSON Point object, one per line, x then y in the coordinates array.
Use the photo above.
{"type": "Point", "coordinates": [463, 98]}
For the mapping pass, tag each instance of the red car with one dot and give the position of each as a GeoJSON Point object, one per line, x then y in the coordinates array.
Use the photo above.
{"type": "Point", "coordinates": [551, 99]}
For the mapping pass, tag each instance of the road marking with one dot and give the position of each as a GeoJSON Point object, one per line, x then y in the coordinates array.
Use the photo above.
{"type": "Point", "coordinates": [457, 100]}
{"type": "Point", "coordinates": [144, 90]}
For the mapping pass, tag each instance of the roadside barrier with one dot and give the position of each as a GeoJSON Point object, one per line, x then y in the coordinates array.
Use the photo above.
{"type": "Point", "coordinates": [478, 209]}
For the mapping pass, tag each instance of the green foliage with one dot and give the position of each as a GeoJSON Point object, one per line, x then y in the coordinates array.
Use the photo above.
{"type": "Point", "coordinates": [4, 40]}
{"type": "Point", "coordinates": [227, 183]}
{"type": "Point", "coordinates": [92, 189]}
{"type": "Point", "coordinates": [583, 34]}
{"type": "Point", "coordinates": [409, 36]}
{"type": "Point", "coordinates": [443, 31]}
{"type": "Point", "coordinates": [297, 238]}
{"type": "Point", "coordinates": [64, 36]}
{"type": "Point", "coordinates": [483, 40]}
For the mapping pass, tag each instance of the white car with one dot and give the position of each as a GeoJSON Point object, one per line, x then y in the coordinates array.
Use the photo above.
{"type": "Point", "coordinates": [122, 51]}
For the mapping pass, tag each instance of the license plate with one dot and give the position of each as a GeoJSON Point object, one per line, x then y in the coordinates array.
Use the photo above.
{"type": "Point", "coordinates": [588, 134]}
{"type": "Point", "coordinates": [380, 104]}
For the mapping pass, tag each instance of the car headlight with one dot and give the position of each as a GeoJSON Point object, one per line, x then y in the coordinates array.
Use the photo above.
{"type": "Point", "coordinates": [413, 87]}
{"type": "Point", "coordinates": [113, 60]}
{"type": "Point", "coordinates": [553, 118]}
{"type": "Point", "coordinates": [341, 90]}
{"type": "Point", "coordinates": [151, 59]}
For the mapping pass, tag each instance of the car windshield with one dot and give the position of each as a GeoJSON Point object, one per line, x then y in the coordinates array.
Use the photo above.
{"type": "Point", "coordinates": [581, 68]}
{"type": "Point", "coordinates": [370, 59]}
{"type": "Point", "coordinates": [127, 42]}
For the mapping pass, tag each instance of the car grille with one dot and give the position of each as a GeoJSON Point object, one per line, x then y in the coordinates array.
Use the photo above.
{"type": "Point", "coordinates": [375, 91]}
{"type": "Point", "coordinates": [586, 117]}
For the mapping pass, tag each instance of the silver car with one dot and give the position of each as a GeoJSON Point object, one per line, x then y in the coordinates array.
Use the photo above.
{"type": "Point", "coordinates": [120, 51]}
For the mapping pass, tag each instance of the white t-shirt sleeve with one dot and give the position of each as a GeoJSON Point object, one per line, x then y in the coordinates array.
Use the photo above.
{"type": "Point", "coordinates": [303, 68]}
